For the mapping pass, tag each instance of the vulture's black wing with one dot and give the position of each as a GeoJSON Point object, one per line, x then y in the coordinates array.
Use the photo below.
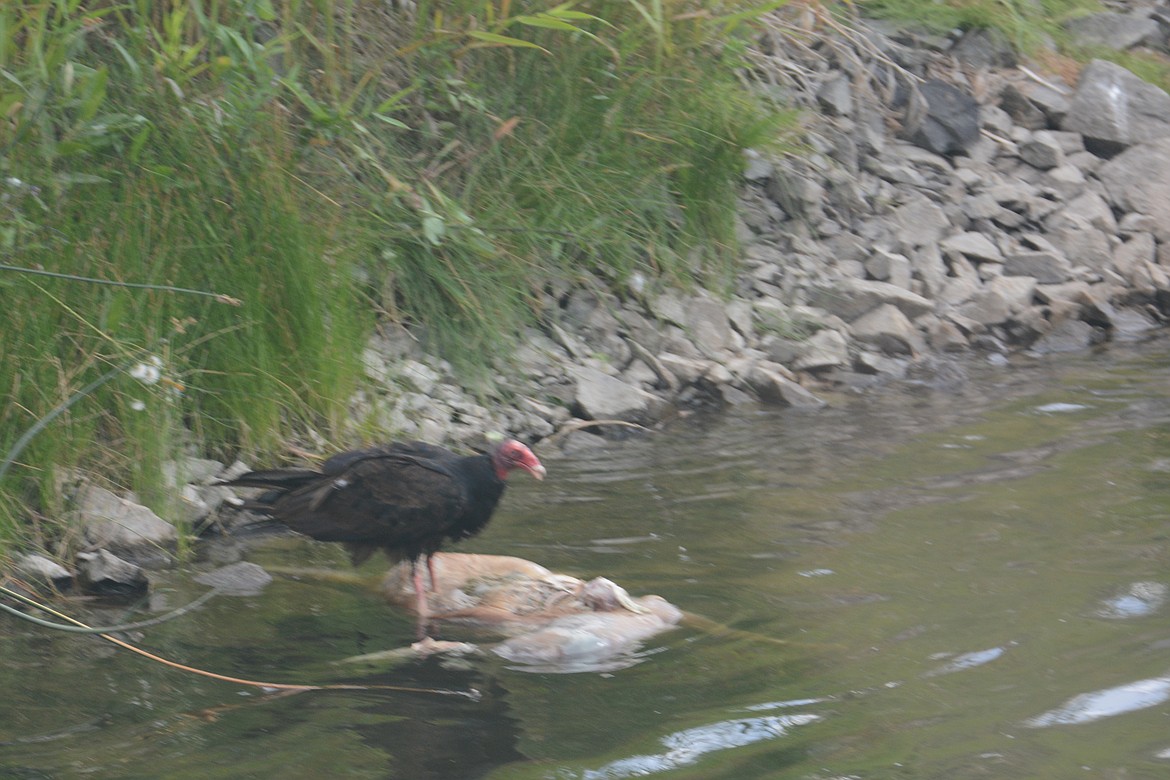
{"type": "Point", "coordinates": [400, 502]}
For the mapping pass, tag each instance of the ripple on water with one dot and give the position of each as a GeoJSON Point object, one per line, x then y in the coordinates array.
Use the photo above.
{"type": "Point", "coordinates": [1140, 599]}
{"type": "Point", "coordinates": [1089, 707]}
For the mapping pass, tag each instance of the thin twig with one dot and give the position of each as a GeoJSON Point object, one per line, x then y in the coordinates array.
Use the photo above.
{"type": "Point", "coordinates": [292, 688]}
{"type": "Point", "coordinates": [222, 298]}
{"type": "Point", "coordinates": [97, 629]}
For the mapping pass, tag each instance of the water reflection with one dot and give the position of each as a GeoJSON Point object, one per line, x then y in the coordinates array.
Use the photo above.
{"type": "Point", "coordinates": [686, 747]}
{"type": "Point", "coordinates": [965, 661]}
{"type": "Point", "coordinates": [893, 587]}
{"type": "Point", "coordinates": [1093, 706]}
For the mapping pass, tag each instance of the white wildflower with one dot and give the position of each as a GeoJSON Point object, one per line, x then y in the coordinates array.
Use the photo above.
{"type": "Point", "coordinates": [146, 373]}
{"type": "Point", "coordinates": [137, 405]}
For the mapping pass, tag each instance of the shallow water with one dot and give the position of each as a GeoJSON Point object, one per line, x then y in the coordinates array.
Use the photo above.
{"type": "Point", "coordinates": [963, 582]}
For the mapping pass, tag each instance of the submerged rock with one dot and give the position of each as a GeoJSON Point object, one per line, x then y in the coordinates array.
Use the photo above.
{"type": "Point", "coordinates": [237, 579]}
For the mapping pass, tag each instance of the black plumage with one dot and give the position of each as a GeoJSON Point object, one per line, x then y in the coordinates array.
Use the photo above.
{"type": "Point", "coordinates": [407, 499]}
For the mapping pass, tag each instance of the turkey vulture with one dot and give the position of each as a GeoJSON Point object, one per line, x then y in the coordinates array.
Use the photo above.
{"type": "Point", "coordinates": [403, 498]}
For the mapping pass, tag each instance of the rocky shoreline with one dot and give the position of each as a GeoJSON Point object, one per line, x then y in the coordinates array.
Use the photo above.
{"type": "Point", "coordinates": [949, 203]}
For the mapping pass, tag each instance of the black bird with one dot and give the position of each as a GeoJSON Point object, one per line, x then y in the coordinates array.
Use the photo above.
{"type": "Point", "coordinates": [405, 498]}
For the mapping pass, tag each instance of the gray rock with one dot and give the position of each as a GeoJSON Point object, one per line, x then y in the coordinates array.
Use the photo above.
{"type": "Point", "coordinates": [986, 307]}
{"type": "Point", "coordinates": [1134, 254]}
{"type": "Point", "coordinates": [1136, 223]}
{"type": "Point", "coordinates": [873, 363]}
{"type": "Point", "coordinates": [1138, 180]}
{"type": "Point", "coordinates": [1067, 336]}
{"type": "Point", "coordinates": [920, 222]}
{"type": "Point", "coordinates": [959, 289]}
{"type": "Point", "coordinates": [1072, 292]}
{"type": "Point", "coordinates": [1042, 151]}
{"type": "Point", "coordinates": [741, 318]}
{"type": "Point", "coordinates": [664, 379]}
{"type": "Point", "coordinates": [1081, 243]}
{"type": "Point", "coordinates": [600, 396]}
{"type": "Point", "coordinates": [237, 579]}
{"type": "Point", "coordinates": [1112, 30]}
{"type": "Point", "coordinates": [200, 471]}
{"type": "Point", "coordinates": [1114, 106]}
{"type": "Point", "coordinates": [192, 506]}
{"type": "Point", "coordinates": [756, 167]}
{"type": "Point", "coordinates": [945, 336]}
{"type": "Point", "coordinates": [850, 298]}
{"type": "Point", "coordinates": [836, 96]}
{"type": "Point", "coordinates": [685, 370]}
{"type": "Point", "coordinates": [1016, 291]}
{"type": "Point", "coordinates": [41, 570]}
{"type": "Point", "coordinates": [1150, 280]}
{"type": "Point", "coordinates": [120, 524]}
{"type": "Point", "coordinates": [950, 123]}
{"type": "Point", "coordinates": [416, 376]}
{"type": "Point", "coordinates": [668, 307]}
{"type": "Point", "coordinates": [1044, 267]}
{"type": "Point", "coordinates": [1066, 180]}
{"type": "Point", "coordinates": [1091, 208]}
{"type": "Point", "coordinates": [375, 365]}
{"type": "Point", "coordinates": [781, 350]}
{"type": "Point", "coordinates": [104, 573]}
{"type": "Point", "coordinates": [982, 206]}
{"type": "Point", "coordinates": [983, 48]}
{"type": "Point", "coordinates": [885, 266]}
{"type": "Point", "coordinates": [1024, 108]}
{"type": "Point", "coordinates": [708, 325]}
{"type": "Point", "coordinates": [975, 246]}
{"type": "Point", "coordinates": [773, 387]}
{"type": "Point", "coordinates": [888, 329]}
{"type": "Point", "coordinates": [1130, 325]}
{"type": "Point", "coordinates": [825, 349]}
{"type": "Point", "coordinates": [928, 265]}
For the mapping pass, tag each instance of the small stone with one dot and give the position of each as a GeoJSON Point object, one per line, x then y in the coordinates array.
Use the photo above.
{"type": "Point", "coordinates": [1067, 336]}
{"type": "Point", "coordinates": [237, 579]}
{"type": "Point", "coordinates": [825, 349]}
{"type": "Point", "coordinates": [888, 329]}
{"type": "Point", "coordinates": [1045, 267]}
{"type": "Point", "coordinates": [104, 573]}
{"type": "Point", "coordinates": [975, 246]}
{"type": "Point", "coordinates": [42, 570]}
{"type": "Point", "coordinates": [1042, 151]}
{"type": "Point", "coordinates": [773, 387]}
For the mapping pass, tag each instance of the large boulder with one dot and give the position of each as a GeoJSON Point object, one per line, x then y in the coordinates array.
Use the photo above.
{"type": "Point", "coordinates": [120, 524]}
{"type": "Point", "coordinates": [599, 396]}
{"type": "Point", "coordinates": [1116, 108]}
{"type": "Point", "coordinates": [1138, 180]}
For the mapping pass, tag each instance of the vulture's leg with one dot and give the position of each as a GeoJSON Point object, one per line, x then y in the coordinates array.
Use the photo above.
{"type": "Point", "coordinates": [420, 593]}
{"type": "Point", "coordinates": [431, 571]}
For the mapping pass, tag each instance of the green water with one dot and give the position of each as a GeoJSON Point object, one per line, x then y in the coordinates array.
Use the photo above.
{"type": "Point", "coordinates": [958, 582]}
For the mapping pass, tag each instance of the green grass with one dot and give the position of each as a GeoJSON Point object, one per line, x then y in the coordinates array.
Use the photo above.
{"type": "Point", "coordinates": [324, 163]}
{"type": "Point", "coordinates": [1026, 24]}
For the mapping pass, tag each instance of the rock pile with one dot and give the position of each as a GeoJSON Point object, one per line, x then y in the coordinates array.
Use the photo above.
{"type": "Point", "coordinates": [994, 211]}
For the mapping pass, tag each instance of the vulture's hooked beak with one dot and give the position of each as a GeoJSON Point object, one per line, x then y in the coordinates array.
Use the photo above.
{"type": "Point", "coordinates": [537, 471]}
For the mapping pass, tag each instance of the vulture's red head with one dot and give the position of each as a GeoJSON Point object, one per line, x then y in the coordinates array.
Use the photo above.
{"type": "Point", "coordinates": [511, 454]}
